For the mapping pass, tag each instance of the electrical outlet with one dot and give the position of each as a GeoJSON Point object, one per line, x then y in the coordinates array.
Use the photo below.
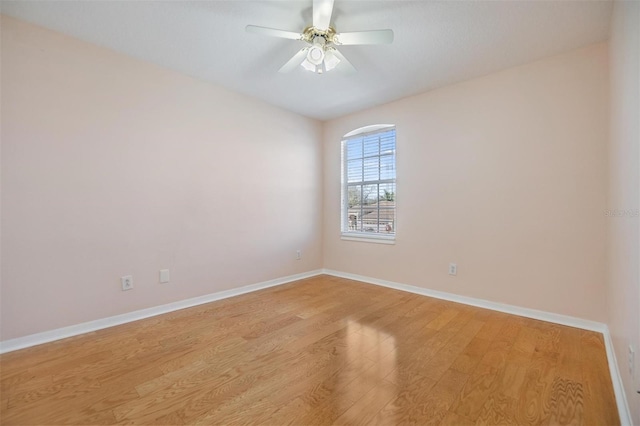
{"type": "Point", "coordinates": [164, 276]}
{"type": "Point", "coordinates": [127, 282]}
{"type": "Point", "coordinates": [453, 269]}
{"type": "Point", "coordinates": [298, 254]}
{"type": "Point", "coordinates": [632, 361]}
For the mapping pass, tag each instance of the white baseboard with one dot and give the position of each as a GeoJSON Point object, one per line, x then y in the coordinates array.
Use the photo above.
{"type": "Point", "coordinates": [86, 327]}
{"type": "Point", "coordinates": [481, 303]}
{"type": "Point", "coordinates": [618, 388]}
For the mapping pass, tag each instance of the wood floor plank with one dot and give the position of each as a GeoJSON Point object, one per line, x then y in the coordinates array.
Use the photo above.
{"type": "Point", "coordinates": [366, 407]}
{"type": "Point", "coordinates": [498, 409]}
{"type": "Point", "coordinates": [337, 393]}
{"type": "Point", "coordinates": [435, 366]}
{"type": "Point", "coordinates": [322, 350]}
{"type": "Point", "coordinates": [566, 402]}
{"type": "Point", "coordinates": [290, 413]}
{"type": "Point", "coordinates": [453, 419]}
{"type": "Point", "coordinates": [534, 399]}
{"type": "Point", "coordinates": [471, 356]}
{"type": "Point", "coordinates": [483, 381]}
{"type": "Point", "coordinates": [423, 401]}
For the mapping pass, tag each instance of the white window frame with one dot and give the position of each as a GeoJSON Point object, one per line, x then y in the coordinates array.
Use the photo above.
{"type": "Point", "coordinates": [346, 233]}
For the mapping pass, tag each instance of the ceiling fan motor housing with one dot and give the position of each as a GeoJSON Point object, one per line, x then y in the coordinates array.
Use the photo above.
{"type": "Point", "coordinates": [310, 33]}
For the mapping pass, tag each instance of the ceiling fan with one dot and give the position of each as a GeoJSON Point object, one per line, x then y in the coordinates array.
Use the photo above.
{"type": "Point", "coordinates": [321, 53]}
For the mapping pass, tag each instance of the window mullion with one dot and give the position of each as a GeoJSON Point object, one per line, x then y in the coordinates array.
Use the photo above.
{"type": "Point", "coordinates": [373, 182]}
{"type": "Point", "coordinates": [345, 220]}
{"type": "Point", "coordinates": [362, 186]}
{"type": "Point", "coordinates": [378, 209]}
{"type": "Point", "coordinates": [361, 208]}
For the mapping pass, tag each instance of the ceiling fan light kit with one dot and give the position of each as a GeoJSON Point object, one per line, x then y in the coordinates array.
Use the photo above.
{"type": "Point", "coordinates": [321, 55]}
{"type": "Point", "coordinates": [330, 60]}
{"type": "Point", "coordinates": [315, 55]}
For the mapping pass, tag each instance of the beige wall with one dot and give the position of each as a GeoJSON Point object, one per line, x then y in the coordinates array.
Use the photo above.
{"type": "Point", "coordinates": [112, 166]}
{"type": "Point", "coordinates": [624, 194]}
{"type": "Point", "coordinates": [504, 175]}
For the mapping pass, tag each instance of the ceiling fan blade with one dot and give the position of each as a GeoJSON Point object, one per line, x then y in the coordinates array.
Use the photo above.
{"type": "Point", "coordinates": [344, 66]}
{"type": "Point", "coordinates": [295, 61]}
{"type": "Point", "coordinates": [272, 32]}
{"type": "Point", "coordinates": [365, 37]}
{"type": "Point", "coordinates": [322, 10]}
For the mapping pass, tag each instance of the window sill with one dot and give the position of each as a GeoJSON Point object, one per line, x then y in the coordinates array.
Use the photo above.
{"type": "Point", "coordinates": [376, 239]}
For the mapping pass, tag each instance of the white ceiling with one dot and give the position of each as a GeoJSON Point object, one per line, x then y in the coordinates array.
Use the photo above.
{"type": "Point", "coordinates": [436, 42]}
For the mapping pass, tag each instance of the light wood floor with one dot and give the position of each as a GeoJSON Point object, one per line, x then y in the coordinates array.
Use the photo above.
{"type": "Point", "coordinates": [318, 351]}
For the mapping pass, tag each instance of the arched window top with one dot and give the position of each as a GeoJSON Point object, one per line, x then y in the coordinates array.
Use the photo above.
{"type": "Point", "coordinates": [368, 129]}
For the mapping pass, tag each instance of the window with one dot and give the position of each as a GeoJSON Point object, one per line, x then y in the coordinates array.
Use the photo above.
{"type": "Point", "coordinates": [369, 183]}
